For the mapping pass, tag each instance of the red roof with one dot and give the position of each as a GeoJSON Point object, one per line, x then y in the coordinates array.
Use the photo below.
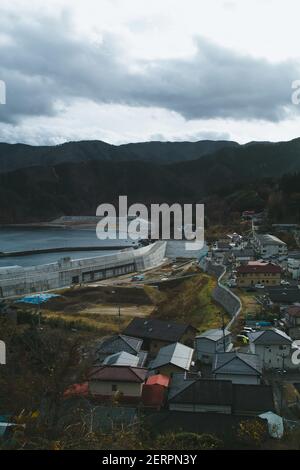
{"type": "Point", "coordinates": [259, 268]}
{"type": "Point", "coordinates": [158, 379]}
{"type": "Point", "coordinates": [77, 390]}
{"type": "Point", "coordinates": [118, 374]}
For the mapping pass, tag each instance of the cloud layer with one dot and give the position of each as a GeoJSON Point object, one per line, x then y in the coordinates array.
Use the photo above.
{"type": "Point", "coordinates": [47, 67]}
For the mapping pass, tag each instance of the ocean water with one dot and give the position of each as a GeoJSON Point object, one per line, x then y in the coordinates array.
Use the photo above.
{"type": "Point", "coordinates": [20, 239]}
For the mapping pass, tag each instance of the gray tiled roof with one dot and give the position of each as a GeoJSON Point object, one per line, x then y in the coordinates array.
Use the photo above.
{"type": "Point", "coordinates": [237, 363]}
{"type": "Point", "coordinates": [119, 343]}
{"type": "Point", "coordinates": [269, 337]}
{"type": "Point", "coordinates": [176, 354]}
{"type": "Point", "coordinates": [213, 334]}
{"type": "Point", "coordinates": [121, 359]}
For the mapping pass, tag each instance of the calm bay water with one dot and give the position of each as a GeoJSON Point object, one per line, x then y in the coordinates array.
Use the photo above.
{"type": "Point", "coordinates": [17, 239]}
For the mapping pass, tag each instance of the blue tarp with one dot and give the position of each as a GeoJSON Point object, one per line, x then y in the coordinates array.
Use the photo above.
{"type": "Point", "coordinates": [37, 299]}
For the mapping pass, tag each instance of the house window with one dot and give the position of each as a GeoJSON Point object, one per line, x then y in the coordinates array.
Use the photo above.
{"type": "Point", "coordinates": [114, 388]}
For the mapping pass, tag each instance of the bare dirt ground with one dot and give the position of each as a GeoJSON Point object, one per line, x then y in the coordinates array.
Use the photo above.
{"type": "Point", "coordinates": [125, 310]}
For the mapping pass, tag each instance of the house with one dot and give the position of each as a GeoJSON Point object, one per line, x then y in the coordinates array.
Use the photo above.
{"type": "Point", "coordinates": [123, 358]}
{"type": "Point", "coordinates": [171, 359]}
{"type": "Point", "coordinates": [105, 382]}
{"type": "Point", "coordinates": [237, 367]}
{"type": "Point", "coordinates": [292, 320]}
{"type": "Point", "coordinates": [257, 272]}
{"type": "Point", "coordinates": [274, 347]}
{"type": "Point", "coordinates": [158, 333]}
{"type": "Point", "coordinates": [284, 296]}
{"type": "Point", "coordinates": [211, 342]}
{"type": "Point", "coordinates": [293, 265]}
{"type": "Point", "coordinates": [202, 395]}
{"type": "Point", "coordinates": [221, 396]}
{"type": "Point", "coordinates": [243, 256]}
{"type": "Point", "coordinates": [268, 245]}
{"type": "Point", "coordinates": [155, 390]}
{"type": "Point", "coordinates": [116, 344]}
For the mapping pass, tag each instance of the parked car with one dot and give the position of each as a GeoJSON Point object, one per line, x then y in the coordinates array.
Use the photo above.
{"type": "Point", "coordinates": [284, 283]}
{"type": "Point", "coordinates": [138, 277]}
{"type": "Point", "coordinates": [243, 339]}
{"type": "Point", "coordinates": [259, 286]}
{"type": "Point", "coordinates": [249, 329]}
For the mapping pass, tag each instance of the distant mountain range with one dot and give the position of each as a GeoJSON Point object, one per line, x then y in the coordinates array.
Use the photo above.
{"type": "Point", "coordinates": [16, 156]}
{"type": "Point", "coordinates": [74, 178]}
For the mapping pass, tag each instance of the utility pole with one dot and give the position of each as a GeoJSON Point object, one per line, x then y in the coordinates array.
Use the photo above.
{"type": "Point", "coordinates": [281, 394]}
{"type": "Point", "coordinates": [223, 328]}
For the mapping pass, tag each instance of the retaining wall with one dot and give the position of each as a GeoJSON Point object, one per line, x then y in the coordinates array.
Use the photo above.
{"type": "Point", "coordinates": [222, 294]}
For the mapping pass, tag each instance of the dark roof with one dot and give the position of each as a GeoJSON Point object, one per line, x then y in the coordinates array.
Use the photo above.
{"type": "Point", "coordinates": [156, 329]}
{"type": "Point", "coordinates": [205, 391]}
{"type": "Point", "coordinates": [259, 268]}
{"type": "Point", "coordinates": [283, 295]}
{"type": "Point", "coordinates": [252, 398]}
{"type": "Point", "coordinates": [237, 363]}
{"type": "Point", "coordinates": [246, 252]}
{"type": "Point", "coordinates": [269, 337]}
{"type": "Point", "coordinates": [119, 343]}
{"type": "Point", "coordinates": [118, 374]}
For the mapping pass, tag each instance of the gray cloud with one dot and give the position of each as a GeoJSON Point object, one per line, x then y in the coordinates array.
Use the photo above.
{"type": "Point", "coordinates": [45, 63]}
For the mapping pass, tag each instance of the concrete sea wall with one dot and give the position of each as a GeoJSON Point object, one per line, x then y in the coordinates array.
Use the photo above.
{"type": "Point", "coordinates": [17, 280]}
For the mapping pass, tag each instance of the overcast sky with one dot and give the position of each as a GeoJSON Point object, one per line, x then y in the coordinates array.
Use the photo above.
{"type": "Point", "coordinates": [137, 70]}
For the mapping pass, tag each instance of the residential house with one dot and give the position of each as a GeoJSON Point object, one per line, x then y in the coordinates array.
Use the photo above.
{"type": "Point", "coordinates": [211, 342]}
{"type": "Point", "coordinates": [155, 391]}
{"type": "Point", "coordinates": [221, 396]}
{"type": "Point", "coordinates": [202, 395]}
{"type": "Point", "coordinates": [293, 265]}
{"type": "Point", "coordinates": [115, 344]}
{"type": "Point", "coordinates": [172, 358]}
{"type": "Point", "coordinates": [126, 382]}
{"type": "Point", "coordinates": [243, 256]}
{"type": "Point", "coordinates": [292, 321]}
{"type": "Point", "coordinates": [257, 272]}
{"type": "Point", "coordinates": [268, 245]}
{"type": "Point", "coordinates": [274, 347]}
{"type": "Point", "coordinates": [282, 295]}
{"type": "Point", "coordinates": [158, 333]}
{"type": "Point", "coordinates": [239, 368]}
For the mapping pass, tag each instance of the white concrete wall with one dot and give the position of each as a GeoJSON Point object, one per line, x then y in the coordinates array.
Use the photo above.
{"type": "Point", "coordinates": [271, 356]}
{"type": "Point", "coordinates": [16, 280]}
{"type": "Point", "coordinates": [239, 378]}
{"type": "Point", "coordinates": [128, 389]}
